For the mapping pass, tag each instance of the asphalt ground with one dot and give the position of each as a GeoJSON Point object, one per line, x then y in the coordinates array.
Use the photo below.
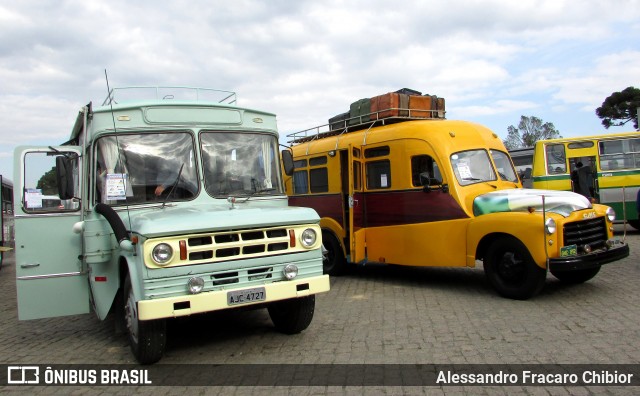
{"type": "Point", "coordinates": [374, 316]}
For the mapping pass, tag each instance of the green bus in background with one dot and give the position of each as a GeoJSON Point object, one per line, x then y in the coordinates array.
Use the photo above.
{"type": "Point", "coordinates": [605, 168]}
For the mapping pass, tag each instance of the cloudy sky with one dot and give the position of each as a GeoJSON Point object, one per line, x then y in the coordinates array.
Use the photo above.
{"type": "Point", "coordinates": [493, 60]}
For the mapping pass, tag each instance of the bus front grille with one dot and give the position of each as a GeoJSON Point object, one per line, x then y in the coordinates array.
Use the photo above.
{"type": "Point", "coordinates": [592, 232]}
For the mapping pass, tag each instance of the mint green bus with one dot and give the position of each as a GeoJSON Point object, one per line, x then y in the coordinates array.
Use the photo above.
{"type": "Point", "coordinates": [164, 202]}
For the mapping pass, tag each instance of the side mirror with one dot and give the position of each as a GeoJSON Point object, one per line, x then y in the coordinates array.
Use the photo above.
{"type": "Point", "coordinates": [64, 177]}
{"type": "Point", "coordinates": [287, 162]}
{"type": "Point", "coordinates": [431, 183]}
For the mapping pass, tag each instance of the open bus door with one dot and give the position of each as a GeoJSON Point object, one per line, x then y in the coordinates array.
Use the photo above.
{"type": "Point", "coordinates": [584, 176]}
{"type": "Point", "coordinates": [356, 207]}
{"type": "Point", "coordinates": [50, 277]}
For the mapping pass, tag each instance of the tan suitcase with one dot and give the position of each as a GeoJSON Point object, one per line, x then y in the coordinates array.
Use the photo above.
{"type": "Point", "coordinates": [420, 106]}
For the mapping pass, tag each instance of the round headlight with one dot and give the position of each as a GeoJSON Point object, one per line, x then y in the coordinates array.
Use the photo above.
{"type": "Point", "coordinates": [162, 253]}
{"type": "Point", "coordinates": [308, 237]}
{"type": "Point", "coordinates": [611, 214]}
{"type": "Point", "coordinates": [550, 225]}
{"type": "Point", "coordinates": [290, 271]}
{"type": "Point", "coordinates": [195, 285]}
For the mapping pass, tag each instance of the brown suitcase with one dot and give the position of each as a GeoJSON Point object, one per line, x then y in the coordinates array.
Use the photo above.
{"type": "Point", "coordinates": [384, 106]}
{"type": "Point", "coordinates": [389, 105]}
{"type": "Point", "coordinates": [420, 106]}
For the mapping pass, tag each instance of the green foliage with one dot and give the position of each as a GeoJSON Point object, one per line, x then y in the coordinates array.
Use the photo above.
{"type": "Point", "coordinates": [621, 106]}
{"type": "Point", "coordinates": [529, 131]}
{"type": "Point", "coordinates": [48, 183]}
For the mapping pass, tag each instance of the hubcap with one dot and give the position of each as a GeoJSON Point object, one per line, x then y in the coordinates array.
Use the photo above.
{"type": "Point", "coordinates": [131, 316]}
{"type": "Point", "coordinates": [510, 268]}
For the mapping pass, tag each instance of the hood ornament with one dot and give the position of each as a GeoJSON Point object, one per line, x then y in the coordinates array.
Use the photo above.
{"type": "Point", "coordinates": [232, 201]}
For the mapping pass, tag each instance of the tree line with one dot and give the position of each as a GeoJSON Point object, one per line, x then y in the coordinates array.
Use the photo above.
{"type": "Point", "coordinates": [618, 109]}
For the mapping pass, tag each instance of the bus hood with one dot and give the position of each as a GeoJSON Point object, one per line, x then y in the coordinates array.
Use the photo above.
{"type": "Point", "coordinates": [207, 218]}
{"type": "Point", "coordinates": [520, 200]}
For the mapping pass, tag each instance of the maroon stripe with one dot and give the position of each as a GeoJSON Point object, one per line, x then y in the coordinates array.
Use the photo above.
{"type": "Point", "coordinates": [410, 207]}
{"type": "Point", "coordinates": [326, 205]}
{"type": "Point", "coordinates": [387, 208]}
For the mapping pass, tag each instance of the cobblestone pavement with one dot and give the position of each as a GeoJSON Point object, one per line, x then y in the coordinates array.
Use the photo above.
{"type": "Point", "coordinates": [373, 315]}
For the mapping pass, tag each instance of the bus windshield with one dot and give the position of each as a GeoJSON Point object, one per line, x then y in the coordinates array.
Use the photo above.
{"type": "Point", "coordinates": [144, 168]}
{"type": "Point", "coordinates": [505, 168]}
{"type": "Point", "coordinates": [240, 164]}
{"type": "Point", "coordinates": [472, 167]}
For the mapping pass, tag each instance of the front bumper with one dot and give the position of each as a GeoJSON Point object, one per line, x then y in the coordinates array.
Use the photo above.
{"type": "Point", "coordinates": [591, 260]}
{"type": "Point", "coordinates": [171, 307]}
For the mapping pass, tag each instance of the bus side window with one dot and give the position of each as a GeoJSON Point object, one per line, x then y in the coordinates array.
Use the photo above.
{"type": "Point", "coordinates": [556, 159]}
{"type": "Point", "coordinates": [426, 166]}
{"type": "Point", "coordinates": [40, 185]}
{"type": "Point", "coordinates": [378, 174]}
{"type": "Point", "coordinates": [300, 177]}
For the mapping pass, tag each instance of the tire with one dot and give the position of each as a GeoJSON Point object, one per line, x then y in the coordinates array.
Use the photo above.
{"type": "Point", "coordinates": [511, 270]}
{"type": "Point", "coordinates": [293, 315]}
{"type": "Point", "coordinates": [147, 338]}
{"type": "Point", "coordinates": [576, 276]}
{"type": "Point", "coordinates": [634, 223]}
{"type": "Point", "coordinates": [333, 263]}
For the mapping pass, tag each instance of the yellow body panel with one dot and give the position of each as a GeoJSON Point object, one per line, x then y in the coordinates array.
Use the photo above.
{"type": "Point", "coordinates": [435, 244]}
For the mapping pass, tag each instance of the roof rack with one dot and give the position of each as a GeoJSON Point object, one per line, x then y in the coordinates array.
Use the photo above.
{"type": "Point", "coordinates": [136, 93]}
{"type": "Point", "coordinates": [360, 122]}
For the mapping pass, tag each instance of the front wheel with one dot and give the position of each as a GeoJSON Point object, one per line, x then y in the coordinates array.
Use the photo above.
{"type": "Point", "coordinates": [293, 315]}
{"type": "Point", "coordinates": [576, 276]}
{"type": "Point", "coordinates": [333, 261]}
{"type": "Point", "coordinates": [511, 269]}
{"type": "Point", "coordinates": [147, 338]}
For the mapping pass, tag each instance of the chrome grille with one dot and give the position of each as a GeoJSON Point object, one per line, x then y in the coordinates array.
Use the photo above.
{"type": "Point", "coordinates": [592, 232]}
{"type": "Point", "coordinates": [229, 245]}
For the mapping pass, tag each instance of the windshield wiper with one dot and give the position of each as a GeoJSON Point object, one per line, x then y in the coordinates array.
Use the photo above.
{"type": "Point", "coordinates": [175, 184]}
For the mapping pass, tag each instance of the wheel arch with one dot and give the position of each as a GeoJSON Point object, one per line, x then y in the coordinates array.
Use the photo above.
{"type": "Point", "coordinates": [124, 269]}
{"type": "Point", "coordinates": [332, 234]}
{"type": "Point", "coordinates": [487, 240]}
{"type": "Point", "coordinates": [527, 228]}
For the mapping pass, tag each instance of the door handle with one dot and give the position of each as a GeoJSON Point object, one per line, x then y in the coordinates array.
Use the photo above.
{"type": "Point", "coordinates": [352, 202]}
{"type": "Point", "coordinates": [30, 265]}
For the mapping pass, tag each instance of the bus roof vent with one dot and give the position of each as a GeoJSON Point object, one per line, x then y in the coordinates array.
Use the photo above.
{"type": "Point", "coordinates": [134, 94]}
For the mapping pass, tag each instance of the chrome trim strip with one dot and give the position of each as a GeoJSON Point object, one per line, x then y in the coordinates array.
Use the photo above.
{"type": "Point", "coordinates": [21, 215]}
{"type": "Point", "coordinates": [62, 275]}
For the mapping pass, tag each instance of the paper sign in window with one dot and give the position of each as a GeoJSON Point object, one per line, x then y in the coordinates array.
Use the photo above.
{"type": "Point", "coordinates": [464, 171]}
{"type": "Point", "coordinates": [116, 186]}
{"type": "Point", "coordinates": [33, 198]}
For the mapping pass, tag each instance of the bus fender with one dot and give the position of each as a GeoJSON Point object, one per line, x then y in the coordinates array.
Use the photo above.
{"type": "Point", "coordinates": [525, 227]}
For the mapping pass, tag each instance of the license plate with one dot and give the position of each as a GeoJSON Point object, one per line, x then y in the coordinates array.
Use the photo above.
{"type": "Point", "coordinates": [571, 250]}
{"type": "Point", "coordinates": [246, 296]}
